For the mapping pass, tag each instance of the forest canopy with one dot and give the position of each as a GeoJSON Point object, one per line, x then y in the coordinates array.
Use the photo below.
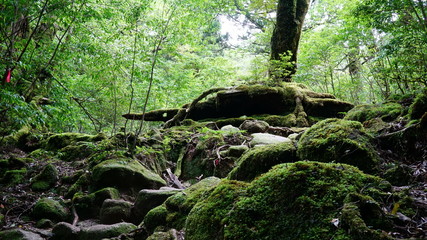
{"type": "Point", "coordinates": [79, 65]}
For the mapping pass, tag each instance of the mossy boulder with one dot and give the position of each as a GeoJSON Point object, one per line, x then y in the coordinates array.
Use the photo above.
{"type": "Point", "coordinates": [148, 199]}
{"type": "Point", "coordinates": [61, 140]}
{"type": "Point", "coordinates": [105, 231]}
{"type": "Point", "coordinates": [126, 175]}
{"type": "Point", "coordinates": [200, 157]}
{"type": "Point", "coordinates": [46, 179]}
{"type": "Point", "coordinates": [419, 106]}
{"type": "Point", "coordinates": [19, 234]}
{"type": "Point", "coordinates": [16, 176]}
{"type": "Point", "coordinates": [88, 205]}
{"type": "Point", "coordinates": [50, 209]}
{"type": "Point", "coordinates": [115, 211]}
{"type": "Point", "coordinates": [387, 112]}
{"type": "Point", "coordinates": [261, 159]}
{"type": "Point", "coordinates": [293, 201]}
{"type": "Point", "coordinates": [173, 212]}
{"type": "Point", "coordinates": [341, 141]}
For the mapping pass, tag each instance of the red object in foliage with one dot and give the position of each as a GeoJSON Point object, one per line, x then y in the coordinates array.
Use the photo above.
{"type": "Point", "coordinates": [8, 75]}
{"type": "Point", "coordinates": [216, 162]}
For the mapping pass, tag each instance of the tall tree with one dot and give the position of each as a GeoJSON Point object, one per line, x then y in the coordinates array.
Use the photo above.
{"type": "Point", "coordinates": [286, 36]}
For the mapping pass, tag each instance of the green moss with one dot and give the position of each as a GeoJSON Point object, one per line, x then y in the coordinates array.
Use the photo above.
{"type": "Point", "coordinates": [155, 217]}
{"type": "Point", "coordinates": [289, 120]}
{"type": "Point", "coordinates": [88, 206]}
{"type": "Point", "coordinates": [199, 159]}
{"type": "Point", "coordinates": [261, 159]}
{"type": "Point", "coordinates": [125, 174]}
{"type": "Point", "coordinates": [80, 185]}
{"type": "Point", "coordinates": [50, 209]}
{"type": "Point", "coordinates": [46, 179]}
{"type": "Point", "coordinates": [419, 107]}
{"type": "Point", "coordinates": [77, 152]}
{"type": "Point", "coordinates": [62, 140]}
{"type": "Point", "coordinates": [217, 206]}
{"type": "Point", "coordinates": [12, 177]}
{"type": "Point", "coordinates": [339, 141]}
{"type": "Point", "coordinates": [292, 201]}
{"type": "Point", "coordinates": [386, 111]}
{"type": "Point", "coordinates": [174, 211]}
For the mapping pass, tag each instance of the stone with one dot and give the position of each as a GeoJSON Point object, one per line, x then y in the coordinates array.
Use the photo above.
{"type": "Point", "coordinates": [261, 159]}
{"type": "Point", "coordinates": [88, 205]}
{"type": "Point", "coordinates": [19, 234]}
{"type": "Point", "coordinates": [173, 212]}
{"type": "Point", "coordinates": [115, 211]}
{"type": "Point", "coordinates": [65, 231]}
{"type": "Point", "coordinates": [237, 150]}
{"type": "Point", "coordinates": [50, 209]}
{"type": "Point", "coordinates": [46, 179]}
{"type": "Point", "coordinates": [148, 199]}
{"type": "Point", "coordinates": [266, 139]}
{"type": "Point", "coordinates": [341, 141]}
{"type": "Point", "coordinates": [230, 130]}
{"type": "Point", "coordinates": [126, 175]}
{"type": "Point", "coordinates": [254, 126]}
{"type": "Point", "coordinates": [105, 231]}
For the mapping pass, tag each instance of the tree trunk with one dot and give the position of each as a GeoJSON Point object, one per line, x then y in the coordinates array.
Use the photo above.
{"type": "Point", "coordinates": [286, 35]}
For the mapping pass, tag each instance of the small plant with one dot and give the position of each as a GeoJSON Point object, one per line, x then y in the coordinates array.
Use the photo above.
{"type": "Point", "coordinates": [281, 69]}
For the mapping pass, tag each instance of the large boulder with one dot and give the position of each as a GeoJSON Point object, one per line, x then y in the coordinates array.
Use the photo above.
{"type": "Point", "coordinates": [298, 200]}
{"type": "Point", "coordinates": [173, 212]}
{"type": "Point", "coordinates": [19, 234]}
{"type": "Point", "coordinates": [50, 209]}
{"type": "Point", "coordinates": [341, 141]}
{"type": "Point", "coordinates": [89, 205]}
{"type": "Point", "coordinates": [261, 159]}
{"type": "Point", "coordinates": [46, 179]}
{"type": "Point", "coordinates": [148, 199]}
{"type": "Point", "coordinates": [115, 211]}
{"type": "Point", "coordinates": [125, 174]}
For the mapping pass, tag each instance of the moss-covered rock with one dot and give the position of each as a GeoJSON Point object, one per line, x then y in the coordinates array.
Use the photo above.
{"type": "Point", "coordinates": [19, 234]}
{"type": "Point", "coordinates": [341, 141]}
{"type": "Point", "coordinates": [387, 112]}
{"type": "Point", "coordinates": [262, 159]}
{"type": "Point", "coordinates": [126, 175]}
{"type": "Point", "coordinates": [219, 203]}
{"type": "Point", "coordinates": [61, 140]}
{"type": "Point", "coordinates": [148, 199]}
{"type": "Point", "coordinates": [115, 211]}
{"type": "Point", "coordinates": [50, 209]}
{"type": "Point", "coordinates": [173, 213]}
{"type": "Point", "coordinates": [200, 156]}
{"type": "Point", "coordinates": [13, 177]}
{"type": "Point", "coordinates": [293, 201]}
{"type": "Point", "coordinates": [80, 185]}
{"type": "Point", "coordinates": [419, 107]}
{"type": "Point", "coordinates": [88, 205]}
{"type": "Point", "coordinates": [398, 175]}
{"type": "Point", "coordinates": [105, 231]}
{"type": "Point", "coordinates": [46, 179]}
